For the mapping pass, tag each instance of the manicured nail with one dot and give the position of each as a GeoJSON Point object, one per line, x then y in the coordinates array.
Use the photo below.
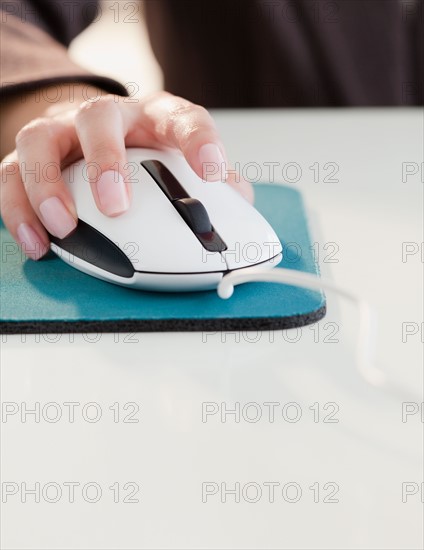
{"type": "Point", "coordinates": [212, 161]}
{"type": "Point", "coordinates": [31, 242]}
{"type": "Point", "coordinates": [57, 218]}
{"type": "Point", "coordinates": [113, 195]}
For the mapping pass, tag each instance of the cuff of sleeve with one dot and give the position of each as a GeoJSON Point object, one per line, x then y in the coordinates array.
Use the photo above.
{"type": "Point", "coordinates": [8, 89]}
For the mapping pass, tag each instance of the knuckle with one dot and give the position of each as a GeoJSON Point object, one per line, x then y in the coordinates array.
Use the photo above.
{"type": "Point", "coordinates": [201, 112]}
{"type": "Point", "coordinates": [177, 118]}
{"type": "Point", "coordinates": [187, 120]}
{"type": "Point", "coordinates": [106, 149]}
{"type": "Point", "coordinates": [33, 130]}
{"type": "Point", "coordinates": [106, 153]}
{"type": "Point", "coordinates": [92, 106]}
{"type": "Point", "coordinates": [180, 109]}
{"type": "Point", "coordinates": [191, 109]}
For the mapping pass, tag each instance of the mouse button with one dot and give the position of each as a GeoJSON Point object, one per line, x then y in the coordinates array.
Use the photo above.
{"type": "Point", "coordinates": [250, 240]}
{"type": "Point", "coordinates": [194, 214]}
{"type": "Point", "coordinates": [90, 245]}
{"type": "Point", "coordinates": [250, 248]}
{"type": "Point", "coordinates": [165, 179]}
{"type": "Point", "coordinates": [249, 237]}
{"type": "Point", "coordinates": [158, 237]}
{"type": "Point", "coordinates": [76, 180]}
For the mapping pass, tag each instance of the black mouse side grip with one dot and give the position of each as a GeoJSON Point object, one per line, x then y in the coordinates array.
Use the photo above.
{"type": "Point", "coordinates": [90, 245]}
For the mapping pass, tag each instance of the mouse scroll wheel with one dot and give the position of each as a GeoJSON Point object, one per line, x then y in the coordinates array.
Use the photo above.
{"type": "Point", "coordinates": [194, 214]}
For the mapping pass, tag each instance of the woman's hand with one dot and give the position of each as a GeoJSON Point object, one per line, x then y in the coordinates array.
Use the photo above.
{"type": "Point", "coordinates": [35, 198]}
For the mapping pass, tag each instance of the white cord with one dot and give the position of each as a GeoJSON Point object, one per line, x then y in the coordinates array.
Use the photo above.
{"type": "Point", "coordinates": [367, 318]}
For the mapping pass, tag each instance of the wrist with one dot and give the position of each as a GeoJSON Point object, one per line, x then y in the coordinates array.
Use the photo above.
{"type": "Point", "coordinates": [16, 111]}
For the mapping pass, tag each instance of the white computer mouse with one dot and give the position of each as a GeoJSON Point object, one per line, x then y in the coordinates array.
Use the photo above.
{"type": "Point", "coordinates": [179, 234]}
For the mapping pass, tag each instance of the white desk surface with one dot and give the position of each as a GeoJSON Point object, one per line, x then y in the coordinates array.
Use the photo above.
{"type": "Point", "coordinates": [367, 457]}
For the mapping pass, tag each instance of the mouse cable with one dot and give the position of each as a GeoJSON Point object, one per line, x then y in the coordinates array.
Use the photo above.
{"type": "Point", "coordinates": [367, 317]}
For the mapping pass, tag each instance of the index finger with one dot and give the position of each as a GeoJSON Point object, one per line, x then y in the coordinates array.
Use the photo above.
{"type": "Point", "coordinates": [168, 120]}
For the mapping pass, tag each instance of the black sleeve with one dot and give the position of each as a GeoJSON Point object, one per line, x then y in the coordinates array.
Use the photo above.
{"type": "Point", "coordinates": [34, 39]}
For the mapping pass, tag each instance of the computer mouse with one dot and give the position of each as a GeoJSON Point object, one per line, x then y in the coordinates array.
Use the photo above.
{"type": "Point", "coordinates": [180, 233]}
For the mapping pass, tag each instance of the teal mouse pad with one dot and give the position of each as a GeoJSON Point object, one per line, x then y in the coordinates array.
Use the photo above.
{"type": "Point", "coordinates": [50, 296]}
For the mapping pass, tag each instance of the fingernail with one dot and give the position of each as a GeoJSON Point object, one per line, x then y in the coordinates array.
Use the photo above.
{"type": "Point", "coordinates": [31, 242]}
{"type": "Point", "coordinates": [113, 195]}
{"type": "Point", "coordinates": [57, 218]}
{"type": "Point", "coordinates": [212, 162]}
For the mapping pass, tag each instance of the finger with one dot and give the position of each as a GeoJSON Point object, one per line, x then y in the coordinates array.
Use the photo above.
{"type": "Point", "coordinates": [41, 146]}
{"type": "Point", "coordinates": [17, 213]}
{"type": "Point", "coordinates": [101, 132]}
{"type": "Point", "coordinates": [166, 120]}
{"type": "Point", "coordinates": [172, 121]}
